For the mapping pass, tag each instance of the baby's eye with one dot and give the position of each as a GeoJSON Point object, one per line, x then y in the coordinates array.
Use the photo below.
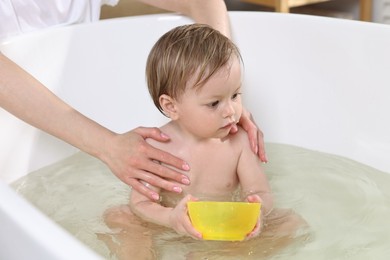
{"type": "Point", "coordinates": [235, 96]}
{"type": "Point", "coordinates": [214, 104]}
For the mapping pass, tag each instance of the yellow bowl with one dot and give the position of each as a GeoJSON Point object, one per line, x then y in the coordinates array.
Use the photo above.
{"type": "Point", "coordinates": [230, 221]}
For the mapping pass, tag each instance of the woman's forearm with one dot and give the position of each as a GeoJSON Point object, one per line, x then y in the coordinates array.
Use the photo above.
{"type": "Point", "coordinates": [211, 12]}
{"type": "Point", "coordinates": [26, 98]}
{"type": "Point", "coordinates": [128, 156]}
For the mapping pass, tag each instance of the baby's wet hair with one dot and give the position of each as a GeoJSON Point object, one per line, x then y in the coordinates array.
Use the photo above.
{"type": "Point", "coordinates": [184, 52]}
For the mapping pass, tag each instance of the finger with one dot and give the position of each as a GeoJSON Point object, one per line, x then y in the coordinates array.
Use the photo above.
{"type": "Point", "coordinates": [162, 171]}
{"type": "Point", "coordinates": [254, 232]}
{"type": "Point", "coordinates": [138, 186]}
{"type": "Point", "coordinates": [234, 129]}
{"type": "Point", "coordinates": [152, 132]}
{"type": "Point", "coordinates": [187, 222]}
{"type": "Point", "coordinates": [246, 121]}
{"type": "Point", "coordinates": [253, 198]}
{"type": "Point", "coordinates": [157, 181]}
{"type": "Point", "coordinates": [253, 138]}
{"type": "Point", "coordinates": [192, 198]}
{"type": "Point", "coordinates": [166, 158]}
{"type": "Point", "coordinates": [261, 148]}
{"type": "Point", "coordinates": [191, 230]}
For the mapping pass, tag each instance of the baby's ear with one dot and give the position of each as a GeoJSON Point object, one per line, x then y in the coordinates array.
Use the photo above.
{"type": "Point", "coordinates": [168, 104]}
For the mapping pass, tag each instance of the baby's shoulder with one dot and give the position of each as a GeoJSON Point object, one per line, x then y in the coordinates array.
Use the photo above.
{"type": "Point", "coordinates": [240, 138]}
{"type": "Point", "coordinates": [165, 146]}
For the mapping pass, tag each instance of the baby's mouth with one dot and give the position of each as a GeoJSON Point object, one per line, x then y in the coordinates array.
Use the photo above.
{"type": "Point", "coordinates": [229, 125]}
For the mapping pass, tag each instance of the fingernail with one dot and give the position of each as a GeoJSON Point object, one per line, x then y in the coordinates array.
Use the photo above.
{"type": "Point", "coordinates": [185, 181]}
{"type": "Point", "coordinates": [164, 136]}
{"type": "Point", "coordinates": [266, 158]}
{"type": "Point", "coordinates": [155, 196]}
{"type": "Point", "coordinates": [177, 189]}
{"type": "Point", "coordinates": [185, 167]}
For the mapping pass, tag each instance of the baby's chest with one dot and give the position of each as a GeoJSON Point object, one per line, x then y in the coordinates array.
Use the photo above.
{"type": "Point", "coordinates": [213, 169]}
{"type": "Point", "coordinates": [214, 178]}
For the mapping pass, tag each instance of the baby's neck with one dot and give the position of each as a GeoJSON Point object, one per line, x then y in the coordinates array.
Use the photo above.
{"type": "Point", "coordinates": [188, 138]}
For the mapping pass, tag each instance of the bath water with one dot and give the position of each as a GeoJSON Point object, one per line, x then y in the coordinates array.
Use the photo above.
{"type": "Point", "coordinates": [346, 205]}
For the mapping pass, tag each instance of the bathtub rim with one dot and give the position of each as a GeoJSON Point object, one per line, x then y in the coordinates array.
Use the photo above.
{"type": "Point", "coordinates": [40, 237]}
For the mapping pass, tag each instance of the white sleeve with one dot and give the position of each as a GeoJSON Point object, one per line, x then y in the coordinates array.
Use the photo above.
{"type": "Point", "coordinates": [21, 16]}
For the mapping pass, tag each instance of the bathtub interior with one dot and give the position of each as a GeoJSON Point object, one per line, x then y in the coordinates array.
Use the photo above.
{"type": "Point", "coordinates": [315, 82]}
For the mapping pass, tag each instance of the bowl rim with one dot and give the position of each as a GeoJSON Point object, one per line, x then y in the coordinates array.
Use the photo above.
{"type": "Point", "coordinates": [222, 202]}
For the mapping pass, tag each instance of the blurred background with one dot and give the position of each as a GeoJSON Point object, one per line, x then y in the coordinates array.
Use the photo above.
{"type": "Point", "coordinates": [345, 9]}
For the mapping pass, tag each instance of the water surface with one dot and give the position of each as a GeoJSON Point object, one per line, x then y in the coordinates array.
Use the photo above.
{"type": "Point", "coordinates": [345, 203]}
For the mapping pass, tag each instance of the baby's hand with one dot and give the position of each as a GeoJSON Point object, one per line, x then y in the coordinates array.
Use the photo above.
{"type": "Point", "coordinates": [257, 229]}
{"type": "Point", "coordinates": [180, 220]}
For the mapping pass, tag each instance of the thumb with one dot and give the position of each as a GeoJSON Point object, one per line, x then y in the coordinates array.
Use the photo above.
{"type": "Point", "coordinates": [234, 129]}
{"type": "Point", "coordinates": [188, 198]}
{"type": "Point", "coordinates": [254, 198]}
{"type": "Point", "coordinates": [192, 198]}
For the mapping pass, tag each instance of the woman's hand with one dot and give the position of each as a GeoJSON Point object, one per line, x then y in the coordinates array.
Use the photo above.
{"type": "Point", "coordinates": [258, 228]}
{"type": "Point", "coordinates": [128, 155]}
{"type": "Point", "coordinates": [132, 159]}
{"type": "Point", "coordinates": [256, 137]}
{"type": "Point", "coordinates": [180, 221]}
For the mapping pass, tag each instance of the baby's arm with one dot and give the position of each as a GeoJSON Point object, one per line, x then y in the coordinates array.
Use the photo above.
{"type": "Point", "coordinates": [151, 211]}
{"type": "Point", "coordinates": [253, 180]}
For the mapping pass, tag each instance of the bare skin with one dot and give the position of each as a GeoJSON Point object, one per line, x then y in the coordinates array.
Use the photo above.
{"type": "Point", "coordinates": [201, 120]}
{"type": "Point", "coordinates": [214, 13]}
{"type": "Point", "coordinates": [220, 163]}
{"type": "Point", "coordinates": [131, 237]}
{"type": "Point", "coordinates": [129, 157]}
{"type": "Point", "coordinates": [211, 12]}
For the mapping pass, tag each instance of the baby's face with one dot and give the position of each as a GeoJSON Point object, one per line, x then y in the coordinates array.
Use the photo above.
{"type": "Point", "coordinates": [213, 109]}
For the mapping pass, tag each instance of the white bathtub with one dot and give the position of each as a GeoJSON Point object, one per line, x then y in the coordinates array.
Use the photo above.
{"type": "Point", "coordinates": [314, 82]}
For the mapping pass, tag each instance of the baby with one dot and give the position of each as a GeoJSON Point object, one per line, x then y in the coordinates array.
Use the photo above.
{"type": "Point", "coordinates": [194, 78]}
